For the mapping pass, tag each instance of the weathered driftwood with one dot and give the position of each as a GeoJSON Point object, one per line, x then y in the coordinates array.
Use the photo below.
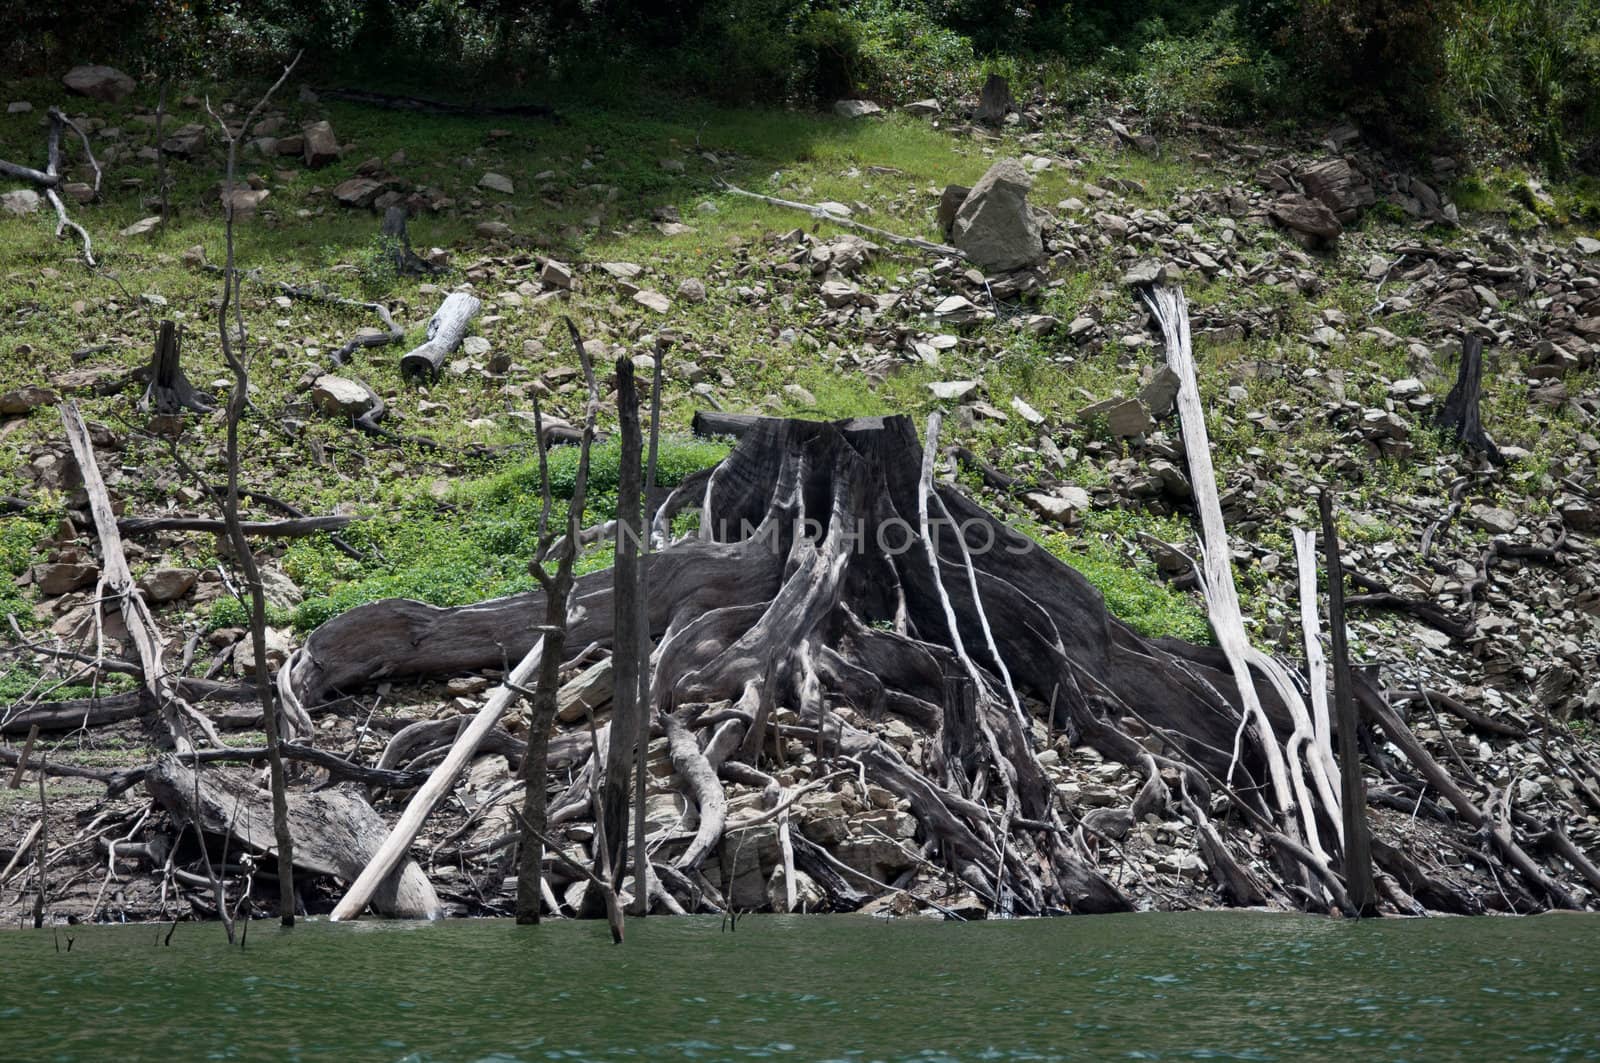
{"type": "Point", "coordinates": [1222, 597]}
{"type": "Point", "coordinates": [382, 860]}
{"type": "Point", "coordinates": [335, 832]}
{"type": "Point", "coordinates": [49, 180]}
{"type": "Point", "coordinates": [446, 329]}
{"type": "Point", "coordinates": [943, 250]}
{"type": "Point", "coordinates": [118, 583]}
{"type": "Point", "coordinates": [288, 528]}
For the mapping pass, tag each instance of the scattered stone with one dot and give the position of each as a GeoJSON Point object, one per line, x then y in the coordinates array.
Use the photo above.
{"type": "Point", "coordinates": [691, 290]}
{"type": "Point", "coordinates": [1160, 395]}
{"type": "Point", "coordinates": [952, 390]}
{"type": "Point", "coordinates": [359, 192]}
{"type": "Point", "coordinates": [244, 653]}
{"type": "Point", "coordinates": [1026, 412]}
{"type": "Point", "coordinates": [1065, 505]}
{"type": "Point", "coordinates": [63, 577]}
{"type": "Point", "coordinates": [556, 275]}
{"type": "Point", "coordinates": [855, 108]}
{"type": "Point", "coordinates": [319, 146]}
{"type": "Point", "coordinates": [163, 585]}
{"type": "Point", "coordinates": [923, 108]}
{"type": "Point", "coordinates": [1492, 519]}
{"type": "Point", "coordinates": [339, 396]}
{"type": "Point", "coordinates": [995, 226]}
{"type": "Point", "coordinates": [623, 271]}
{"type": "Point", "coordinates": [143, 225]}
{"type": "Point", "coordinates": [22, 201]}
{"type": "Point", "coordinates": [838, 293]}
{"type": "Point", "coordinates": [1307, 216]}
{"type": "Point", "coordinates": [652, 300]}
{"type": "Point", "coordinates": [1145, 271]}
{"type": "Point", "coordinates": [186, 141]}
{"type": "Point", "coordinates": [950, 201]}
{"type": "Point", "coordinates": [99, 82]}
{"type": "Point", "coordinates": [497, 182]}
{"type": "Point", "coordinates": [25, 400]}
{"type": "Point", "coordinates": [1125, 418]}
{"type": "Point", "coordinates": [800, 396]}
{"type": "Point", "coordinates": [19, 107]}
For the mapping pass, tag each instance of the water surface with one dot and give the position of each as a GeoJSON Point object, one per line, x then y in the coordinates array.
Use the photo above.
{"type": "Point", "coordinates": [1192, 986]}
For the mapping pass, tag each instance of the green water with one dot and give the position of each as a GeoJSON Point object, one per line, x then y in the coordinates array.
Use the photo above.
{"type": "Point", "coordinates": [1215, 986]}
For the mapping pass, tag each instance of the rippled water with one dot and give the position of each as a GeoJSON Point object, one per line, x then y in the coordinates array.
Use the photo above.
{"type": "Point", "coordinates": [1201, 986]}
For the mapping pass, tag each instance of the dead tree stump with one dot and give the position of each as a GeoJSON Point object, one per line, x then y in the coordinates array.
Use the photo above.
{"type": "Point", "coordinates": [446, 329]}
{"type": "Point", "coordinates": [1460, 411]}
{"type": "Point", "coordinates": [168, 392]}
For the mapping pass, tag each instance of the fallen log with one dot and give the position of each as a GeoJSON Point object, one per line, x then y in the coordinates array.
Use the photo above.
{"type": "Point", "coordinates": [118, 581]}
{"type": "Point", "coordinates": [446, 329]}
{"type": "Point", "coordinates": [943, 250]}
{"type": "Point", "coordinates": [288, 528]}
{"type": "Point", "coordinates": [335, 833]}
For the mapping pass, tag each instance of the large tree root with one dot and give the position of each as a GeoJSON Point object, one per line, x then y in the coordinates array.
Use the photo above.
{"type": "Point", "coordinates": [815, 584]}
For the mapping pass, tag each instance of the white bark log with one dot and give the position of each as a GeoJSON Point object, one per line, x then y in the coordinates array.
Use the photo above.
{"type": "Point", "coordinates": [446, 329]}
{"type": "Point", "coordinates": [396, 846]}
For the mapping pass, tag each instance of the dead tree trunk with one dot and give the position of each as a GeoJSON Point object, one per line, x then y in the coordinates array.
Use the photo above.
{"type": "Point", "coordinates": [235, 354]}
{"type": "Point", "coordinates": [446, 329]}
{"type": "Point", "coordinates": [49, 179]}
{"type": "Point", "coordinates": [1357, 846]}
{"type": "Point", "coordinates": [994, 100]}
{"type": "Point", "coordinates": [169, 392]}
{"type": "Point", "coordinates": [406, 261]}
{"type": "Point", "coordinates": [1460, 412]}
{"type": "Point", "coordinates": [626, 709]}
{"type": "Point", "coordinates": [557, 590]}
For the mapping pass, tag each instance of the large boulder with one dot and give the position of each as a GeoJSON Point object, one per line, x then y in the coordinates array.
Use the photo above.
{"type": "Point", "coordinates": [1339, 187]}
{"type": "Point", "coordinates": [21, 201]}
{"type": "Point", "coordinates": [319, 145]}
{"type": "Point", "coordinates": [1307, 217]}
{"type": "Point", "coordinates": [99, 82]}
{"type": "Point", "coordinates": [357, 192]}
{"type": "Point", "coordinates": [995, 226]}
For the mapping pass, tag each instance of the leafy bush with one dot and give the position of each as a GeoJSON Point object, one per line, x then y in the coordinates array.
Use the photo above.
{"type": "Point", "coordinates": [1211, 75]}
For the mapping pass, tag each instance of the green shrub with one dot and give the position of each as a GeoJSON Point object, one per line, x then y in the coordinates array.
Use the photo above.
{"type": "Point", "coordinates": [1211, 75]}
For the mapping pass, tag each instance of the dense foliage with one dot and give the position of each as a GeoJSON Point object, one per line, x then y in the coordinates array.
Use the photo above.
{"type": "Point", "coordinates": [1521, 76]}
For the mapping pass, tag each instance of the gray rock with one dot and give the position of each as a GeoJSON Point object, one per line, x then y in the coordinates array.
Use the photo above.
{"type": "Point", "coordinates": [1125, 418]}
{"type": "Point", "coordinates": [692, 290]}
{"type": "Point", "coordinates": [1145, 271]}
{"type": "Point", "coordinates": [357, 192]}
{"type": "Point", "coordinates": [855, 108]}
{"type": "Point", "coordinates": [19, 107]}
{"type": "Point", "coordinates": [1307, 216]}
{"type": "Point", "coordinates": [99, 82]}
{"type": "Point", "coordinates": [1588, 245]}
{"type": "Point", "coordinates": [143, 225]}
{"type": "Point", "coordinates": [799, 395]}
{"type": "Point", "coordinates": [244, 653]}
{"type": "Point", "coordinates": [1492, 519]}
{"type": "Point", "coordinates": [839, 293]}
{"type": "Point", "coordinates": [185, 141]}
{"type": "Point", "coordinates": [1337, 186]}
{"type": "Point", "coordinates": [556, 275]}
{"type": "Point", "coordinates": [163, 585]}
{"type": "Point", "coordinates": [995, 226]}
{"type": "Point", "coordinates": [497, 182]}
{"type": "Point", "coordinates": [26, 399]}
{"type": "Point", "coordinates": [652, 300]}
{"type": "Point", "coordinates": [22, 201]}
{"type": "Point", "coordinates": [338, 396]}
{"type": "Point", "coordinates": [952, 390]}
{"type": "Point", "coordinates": [1063, 506]}
{"type": "Point", "coordinates": [63, 577]}
{"type": "Point", "coordinates": [950, 201]}
{"type": "Point", "coordinates": [923, 108]}
{"type": "Point", "coordinates": [320, 147]}
{"type": "Point", "coordinates": [1160, 395]}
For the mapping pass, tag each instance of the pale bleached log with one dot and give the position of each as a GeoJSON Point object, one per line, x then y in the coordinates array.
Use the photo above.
{"type": "Point", "coordinates": [446, 329]}
{"type": "Point", "coordinates": [398, 843]}
{"type": "Point", "coordinates": [1221, 594]}
{"type": "Point", "coordinates": [120, 586]}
